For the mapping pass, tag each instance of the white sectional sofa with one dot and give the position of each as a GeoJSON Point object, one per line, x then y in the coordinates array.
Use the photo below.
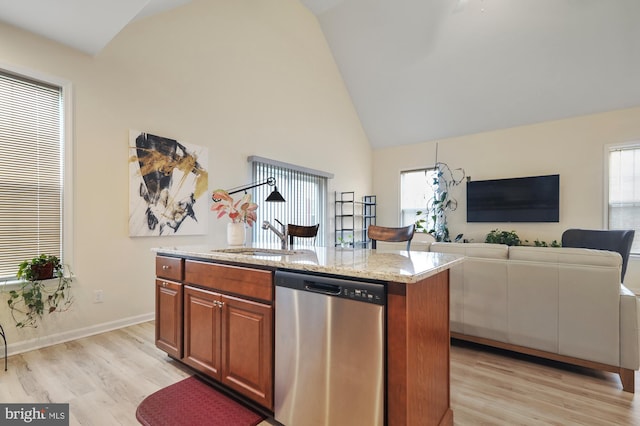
{"type": "Point", "coordinates": [565, 304]}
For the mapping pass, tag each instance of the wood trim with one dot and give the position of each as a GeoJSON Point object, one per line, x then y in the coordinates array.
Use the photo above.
{"type": "Point", "coordinates": [418, 352]}
{"type": "Point", "coordinates": [396, 354]}
{"type": "Point", "coordinates": [626, 375]}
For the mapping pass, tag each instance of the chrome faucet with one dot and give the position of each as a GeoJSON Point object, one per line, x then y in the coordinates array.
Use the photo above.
{"type": "Point", "coordinates": [284, 240]}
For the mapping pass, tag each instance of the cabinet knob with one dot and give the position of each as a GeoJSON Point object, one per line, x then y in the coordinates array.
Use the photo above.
{"type": "Point", "coordinates": [165, 267]}
{"type": "Point", "coordinates": [164, 283]}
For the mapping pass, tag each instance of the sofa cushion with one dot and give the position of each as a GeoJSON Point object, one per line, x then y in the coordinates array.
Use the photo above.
{"type": "Point", "coordinates": [589, 312]}
{"type": "Point", "coordinates": [485, 298]}
{"type": "Point", "coordinates": [629, 329]}
{"type": "Point", "coordinates": [456, 298]}
{"type": "Point", "coordinates": [481, 250]}
{"type": "Point", "coordinates": [532, 306]}
{"type": "Point", "coordinates": [576, 256]}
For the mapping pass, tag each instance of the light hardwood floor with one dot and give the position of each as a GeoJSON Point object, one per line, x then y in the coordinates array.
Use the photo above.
{"type": "Point", "coordinates": [105, 377]}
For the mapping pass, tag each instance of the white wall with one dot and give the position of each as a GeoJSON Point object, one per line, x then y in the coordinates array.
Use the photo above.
{"type": "Point", "coordinates": [574, 148]}
{"type": "Point", "coordinates": [241, 77]}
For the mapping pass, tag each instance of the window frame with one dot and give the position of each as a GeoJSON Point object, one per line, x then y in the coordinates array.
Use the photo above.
{"type": "Point", "coordinates": [289, 169]}
{"type": "Point", "coordinates": [68, 169]}
{"type": "Point", "coordinates": [608, 149]}
{"type": "Point", "coordinates": [425, 209]}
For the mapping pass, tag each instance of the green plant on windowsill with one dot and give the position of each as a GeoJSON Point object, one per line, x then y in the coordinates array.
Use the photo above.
{"type": "Point", "coordinates": [346, 242]}
{"type": "Point", "coordinates": [33, 298]}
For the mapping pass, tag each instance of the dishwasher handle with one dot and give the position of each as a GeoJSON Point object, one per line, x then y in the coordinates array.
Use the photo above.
{"type": "Point", "coordinates": [323, 288]}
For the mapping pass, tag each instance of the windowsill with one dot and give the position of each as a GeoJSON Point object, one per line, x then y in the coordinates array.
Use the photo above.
{"type": "Point", "coordinates": [9, 283]}
{"type": "Point", "coordinates": [15, 283]}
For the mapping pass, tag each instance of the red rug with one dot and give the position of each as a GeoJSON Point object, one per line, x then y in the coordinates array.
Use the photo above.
{"type": "Point", "coordinates": [192, 402]}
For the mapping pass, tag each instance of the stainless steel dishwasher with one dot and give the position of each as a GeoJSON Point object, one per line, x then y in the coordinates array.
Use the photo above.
{"type": "Point", "coordinates": [329, 351]}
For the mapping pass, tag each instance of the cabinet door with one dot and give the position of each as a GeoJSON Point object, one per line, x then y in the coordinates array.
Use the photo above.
{"type": "Point", "coordinates": [202, 316]}
{"type": "Point", "coordinates": [169, 317]}
{"type": "Point", "coordinates": [247, 349]}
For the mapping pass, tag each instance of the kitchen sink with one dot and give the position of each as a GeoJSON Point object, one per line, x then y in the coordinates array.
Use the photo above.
{"type": "Point", "coordinates": [255, 251]}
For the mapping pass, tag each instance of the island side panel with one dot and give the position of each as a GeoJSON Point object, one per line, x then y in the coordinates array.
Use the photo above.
{"type": "Point", "coordinates": [418, 352]}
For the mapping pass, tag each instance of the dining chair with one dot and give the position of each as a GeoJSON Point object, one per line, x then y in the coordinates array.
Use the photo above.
{"type": "Point", "coordinates": [300, 231]}
{"type": "Point", "coordinates": [382, 233]}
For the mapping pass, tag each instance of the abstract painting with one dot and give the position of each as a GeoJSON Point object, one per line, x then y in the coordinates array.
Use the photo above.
{"type": "Point", "coordinates": [168, 183]}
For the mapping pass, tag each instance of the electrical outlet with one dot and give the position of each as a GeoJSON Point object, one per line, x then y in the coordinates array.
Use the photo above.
{"type": "Point", "coordinates": [98, 296]}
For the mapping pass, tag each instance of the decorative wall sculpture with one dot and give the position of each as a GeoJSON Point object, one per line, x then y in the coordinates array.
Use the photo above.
{"type": "Point", "coordinates": [168, 184]}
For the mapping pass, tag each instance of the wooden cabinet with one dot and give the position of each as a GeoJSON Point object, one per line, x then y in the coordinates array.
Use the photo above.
{"type": "Point", "coordinates": [169, 305]}
{"type": "Point", "coordinates": [230, 340]}
{"type": "Point", "coordinates": [202, 319]}
{"type": "Point", "coordinates": [226, 314]}
{"type": "Point", "coordinates": [247, 348]}
{"type": "Point", "coordinates": [171, 268]}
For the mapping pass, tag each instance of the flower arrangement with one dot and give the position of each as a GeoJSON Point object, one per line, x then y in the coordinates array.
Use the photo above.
{"type": "Point", "coordinates": [242, 210]}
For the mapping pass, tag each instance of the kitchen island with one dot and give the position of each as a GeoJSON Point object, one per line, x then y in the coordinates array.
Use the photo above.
{"type": "Point", "coordinates": [215, 309]}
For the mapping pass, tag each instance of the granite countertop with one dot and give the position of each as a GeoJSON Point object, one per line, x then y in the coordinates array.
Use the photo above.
{"type": "Point", "coordinates": [383, 265]}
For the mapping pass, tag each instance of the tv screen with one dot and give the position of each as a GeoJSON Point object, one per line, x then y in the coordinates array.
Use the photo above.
{"type": "Point", "coordinates": [526, 199]}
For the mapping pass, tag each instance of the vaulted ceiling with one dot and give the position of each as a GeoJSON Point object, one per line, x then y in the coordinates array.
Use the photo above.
{"type": "Point", "coordinates": [421, 70]}
{"type": "Point", "coordinates": [424, 70]}
{"type": "Point", "coordinates": [86, 25]}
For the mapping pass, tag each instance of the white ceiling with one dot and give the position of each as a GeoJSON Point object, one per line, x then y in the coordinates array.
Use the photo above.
{"type": "Point", "coordinates": [421, 70]}
{"type": "Point", "coordinates": [86, 25]}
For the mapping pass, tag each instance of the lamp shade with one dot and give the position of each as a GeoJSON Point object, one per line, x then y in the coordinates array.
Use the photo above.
{"type": "Point", "coordinates": [275, 196]}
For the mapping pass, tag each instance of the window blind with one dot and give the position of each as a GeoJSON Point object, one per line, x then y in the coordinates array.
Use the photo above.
{"type": "Point", "coordinates": [30, 171]}
{"type": "Point", "coordinates": [624, 191]}
{"type": "Point", "coordinates": [304, 190]}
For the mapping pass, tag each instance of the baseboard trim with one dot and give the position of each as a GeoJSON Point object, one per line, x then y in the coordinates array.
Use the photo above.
{"type": "Point", "coordinates": [79, 333]}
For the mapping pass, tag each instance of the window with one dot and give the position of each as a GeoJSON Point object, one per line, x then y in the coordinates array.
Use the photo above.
{"type": "Point", "coordinates": [304, 190]}
{"type": "Point", "coordinates": [416, 189]}
{"type": "Point", "coordinates": [624, 190]}
{"type": "Point", "coordinates": [31, 170]}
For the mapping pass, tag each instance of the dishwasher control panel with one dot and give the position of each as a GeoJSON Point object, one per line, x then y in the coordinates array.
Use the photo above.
{"type": "Point", "coordinates": [361, 291]}
{"type": "Point", "coordinates": [363, 294]}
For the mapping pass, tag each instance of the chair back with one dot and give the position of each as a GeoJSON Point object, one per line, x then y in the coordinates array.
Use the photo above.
{"type": "Point", "coordinates": [302, 232]}
{"type": "Point", "coordinates": [382, 233]}
{"type": "Point", "coordinates": [601, 239]}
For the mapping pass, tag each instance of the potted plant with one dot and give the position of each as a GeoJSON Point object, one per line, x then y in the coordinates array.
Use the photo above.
{"type": "Point", "coordinates": [435, 222]}
{"type": "Point", "coordinates": [33, 298]}
{"type": "Point", "coordinates": [509, 238]}
{"type": "Point", "coordinates": [240, 212]}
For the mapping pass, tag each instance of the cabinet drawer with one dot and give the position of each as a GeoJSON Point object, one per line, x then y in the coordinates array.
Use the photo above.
{"type": "Point", "coordinates": [253, 283]}
{"type": "Point", "coordinates": [171, 268]}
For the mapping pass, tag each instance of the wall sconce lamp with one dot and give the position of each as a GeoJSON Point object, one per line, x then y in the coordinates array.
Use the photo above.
{"type": "Point", "coordinates": [274, 196]}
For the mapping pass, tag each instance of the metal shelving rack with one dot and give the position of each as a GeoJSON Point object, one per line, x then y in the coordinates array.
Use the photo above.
{"type": "Point", "coordinates": [352, 219]}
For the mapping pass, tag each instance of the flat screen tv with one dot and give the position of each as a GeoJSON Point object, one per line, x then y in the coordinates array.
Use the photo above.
{"type": "Point", "coordinates": [525, 199]}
